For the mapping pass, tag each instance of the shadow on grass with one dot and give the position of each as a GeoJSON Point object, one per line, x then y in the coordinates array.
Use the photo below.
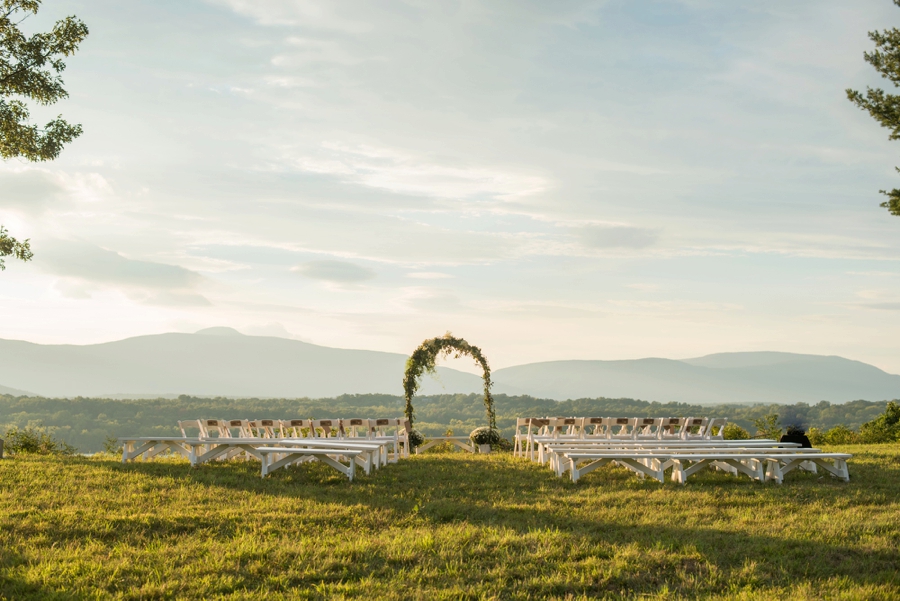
{"type": "Point", "coordinates": [503, 494]}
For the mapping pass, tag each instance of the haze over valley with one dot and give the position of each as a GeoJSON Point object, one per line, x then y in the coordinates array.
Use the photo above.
{"type": "Point", "coordinates": [223, 362]}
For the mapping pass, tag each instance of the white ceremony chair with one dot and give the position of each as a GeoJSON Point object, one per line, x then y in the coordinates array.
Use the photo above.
{"type": "Point", "coordinates": [672, 428]}
{"type": "Point", "coordinates": [325, 428]}
{"type": "Point", "coordinates": [620, 428]}
{"type": "Point", "coordinates": [354, 428]}
{"type": "Point", "coordinates": [187, 425]}
{"type": "Point", "coordinates": [265, 428]}
{"type": "Point", "coordinates": [294, 428]}
{"type": "Point", "coordinates": [694, 428]}
{"type": "Point", "coordinates": [647, 428]}
{"type": "Point", "coordinates": [564, 427]}
{"type": "Point", "coordinates": [593, 427]}
{"type": "Point", "coordinates": [715, 429]}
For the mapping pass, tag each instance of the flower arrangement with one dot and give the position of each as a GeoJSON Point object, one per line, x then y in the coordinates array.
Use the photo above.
{"type": "Point", "coordinates": [415, 438]}
{"type": "Point", "coordinates": [485, 435]}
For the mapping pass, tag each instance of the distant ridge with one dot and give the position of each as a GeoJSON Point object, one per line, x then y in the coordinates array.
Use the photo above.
{"type": "Point", "coordinates": [211, 362]}
{"type": "Point", "coordinates": [223, 362]}
{"type": "Point", "coordinates": [764, 377]}
{"type": "Point", "coordinates": [13, 391]}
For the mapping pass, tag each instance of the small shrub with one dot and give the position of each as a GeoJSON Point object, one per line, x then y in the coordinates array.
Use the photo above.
{"type": "Point", "coordinates": [841, 435]}
{"type": "Point", "coordinates": [768, 427]}
{"type": "Point", "coordinates": [504, 445]}
{"type": "Point", "coordinates": [111, 446]}
{"type": "Point", "coordinates": [816, 436]}
{"type": "Point", "coordinates": [884, 428]}
{"type": "Point", "coordinates": [735, 432]}
{"type": "Point", "coordinates": [35, 440]}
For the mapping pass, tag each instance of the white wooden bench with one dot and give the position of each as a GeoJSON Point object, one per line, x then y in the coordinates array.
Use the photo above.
{"type": "Point", "coordinates": [457, 440]}
{"type": "Point", "coordinates": [151, 446]}
{"type": "Point", "coordinates": [288, 455]}
{"type": "Point", "coordinates": [758, 464]}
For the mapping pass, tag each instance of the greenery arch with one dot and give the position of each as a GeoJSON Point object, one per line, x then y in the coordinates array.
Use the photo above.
{"type": "Point", "coordinates": [424, 358]}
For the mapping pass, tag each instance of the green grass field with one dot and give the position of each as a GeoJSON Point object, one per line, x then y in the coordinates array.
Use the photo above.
{"type": "Point", "coordinates": [442, 526]}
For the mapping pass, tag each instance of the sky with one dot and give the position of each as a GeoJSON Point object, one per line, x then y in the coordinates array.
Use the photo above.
{"type": "Point", "coordinates": [578, 180]}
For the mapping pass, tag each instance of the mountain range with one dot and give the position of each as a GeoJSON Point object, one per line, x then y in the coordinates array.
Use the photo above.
{"type": "Point", "coordinates": [224, 362]}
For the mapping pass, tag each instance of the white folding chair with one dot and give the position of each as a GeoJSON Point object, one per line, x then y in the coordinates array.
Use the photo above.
{"type": "Point", "coordinates": [593, 427]}
{"type": "Point", "coordinates": [324, 428]}
{"type": "Point", "coordinates": [671, 429]}
{"type": "Point", "coordinates": [295, 428]}
{"type": "Point", "coordinates": [265, 428]}
{"type": "Point", "coordinates": [694, 428]}
{"type": "Point", "coordinates": [186, 425]}
{"type": "Point", "coordinates": [354, 428]}
{"type": "Point", "coordinates": [715, 428]}
{"type": "Point", "coordinates": [647, 428]}
{"type": "Point", "coordinates": [620, 428]}
{"type": "Point", "coordinates": [566, 427]}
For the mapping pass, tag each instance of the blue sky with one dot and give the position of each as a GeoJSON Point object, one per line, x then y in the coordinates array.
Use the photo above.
{"type": "Point", "coordinates": [594, 180]}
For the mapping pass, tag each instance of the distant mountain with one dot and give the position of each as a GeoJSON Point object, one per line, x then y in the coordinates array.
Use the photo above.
{"type": "Point", "coordinates": [13, 391]}
{"type": "Point", "coordinates": [767, 377]}
{"type": "Point", "coordinates": [224, 362]}
{"type": "Point", "coordinates": [212, 362]}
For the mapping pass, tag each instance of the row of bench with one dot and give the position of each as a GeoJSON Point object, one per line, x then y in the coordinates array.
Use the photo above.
{"type": "Point", "coordinates": [568, 448]}
{"type": "Point", "coordinates": [367, 443]}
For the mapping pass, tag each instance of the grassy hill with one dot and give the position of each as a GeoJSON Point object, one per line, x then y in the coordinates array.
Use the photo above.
{"type": "Point", "coordinates": [445, 526]}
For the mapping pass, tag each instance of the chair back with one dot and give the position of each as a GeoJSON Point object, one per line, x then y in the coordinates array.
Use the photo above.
{"type": "Point", "coordinates": [265, 428]}
{"type": "Point", "coordinates": [647, 428]}
{"type": "Point", "coordinates": [694, 428]}
{"type": "Point", "coordinates": [593, 427]}
{"type": "Point", "coordinates": [294, 428]}
{"type": "Point", "coordinates": [354, 427]}
{"type": "Point", "coordinates": [189, 426]}
{"type": "Point", "coordinates": [564, 426]}
{"type": "Point", "coordinates": [672, 428]}
{"type": "Point", "coordinates": [715, 428]}
{"type": "Point", "coordinates": [381, 426]}
{"type": "Point", "coordinates": [324, 428]}
{"type": "Point", "coordinates": [620, 428]}
{"type": "Point", "coordinates": [216, 428]}
{"type": "Point", "coordinates": [237, 428]}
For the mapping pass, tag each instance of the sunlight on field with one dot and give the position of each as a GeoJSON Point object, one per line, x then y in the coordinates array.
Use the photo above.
{"type": "Point", "coordinates": [442, 526]}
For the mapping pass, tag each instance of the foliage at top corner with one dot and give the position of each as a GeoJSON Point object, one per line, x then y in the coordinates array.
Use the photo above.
{"type": "Point", "coordinates": [424, 360]}
{"type": "Point", "coordinates": [30, 68]}
{"type": "Point", "coordinates": [11, 246]}
{"type": "Point", "coordinates": [883, 106]}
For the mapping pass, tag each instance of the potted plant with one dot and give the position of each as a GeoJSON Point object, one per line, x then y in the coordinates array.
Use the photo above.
{"type": "Point", "coordinates": [484, 437]}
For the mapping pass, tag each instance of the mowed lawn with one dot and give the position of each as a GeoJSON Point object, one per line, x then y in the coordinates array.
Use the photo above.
{"type": "Point", "coordinates": [443, 526]}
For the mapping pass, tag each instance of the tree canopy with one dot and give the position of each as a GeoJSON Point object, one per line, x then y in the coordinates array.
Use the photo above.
{"type": "Point", "coordinates": [11, 246]}
{"type": "Point", "coordinates": [882, 106]}
{"type": "Point", "coordinates": [30, 68]}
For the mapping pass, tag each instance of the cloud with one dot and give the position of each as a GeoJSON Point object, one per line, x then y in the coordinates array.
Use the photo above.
{"type": "Point", "coordinates": [334, 271]}
{"type": "Point", "coordinates": [428, 275]}
{"type": "Point", "coordinates": [28, 190]}
{"type": "Point", "coordinates": [616, 236]}
{"type": "Point", "coordinates": [403, 173]}
{"type": "Point", "coordinates": [890, 306]}
{"type": "Point", "coordinates": [85, 267]}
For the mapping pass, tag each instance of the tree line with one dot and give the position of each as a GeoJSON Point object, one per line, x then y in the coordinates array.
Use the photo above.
{"type": "Point", "coordinates": [85, 423]}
